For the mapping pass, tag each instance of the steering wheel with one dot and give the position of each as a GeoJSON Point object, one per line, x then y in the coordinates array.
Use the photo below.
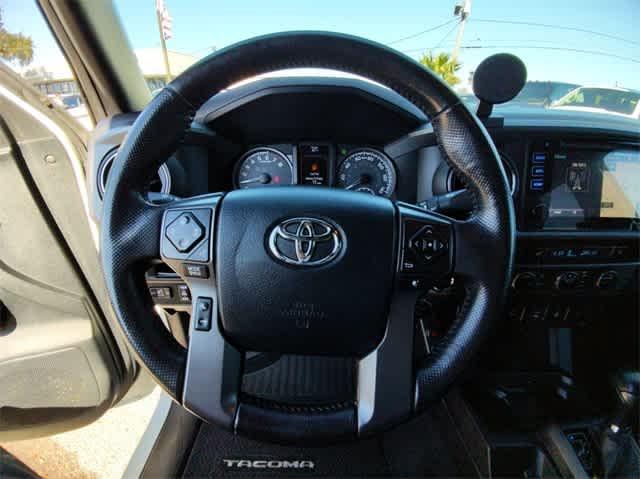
{"type": "Point", "coordinates": [305, 270]}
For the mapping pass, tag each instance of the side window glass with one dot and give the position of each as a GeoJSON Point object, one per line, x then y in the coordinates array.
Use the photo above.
{"type": "Point", "coordinates": [28, 47]}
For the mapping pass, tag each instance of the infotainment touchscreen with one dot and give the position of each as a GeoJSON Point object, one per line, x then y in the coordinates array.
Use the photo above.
{"type": "Point", "coordinates": [589, 184]}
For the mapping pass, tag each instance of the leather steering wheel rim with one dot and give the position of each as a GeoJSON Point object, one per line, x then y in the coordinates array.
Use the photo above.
{"type": "Point", "coordinates": [130, 234]}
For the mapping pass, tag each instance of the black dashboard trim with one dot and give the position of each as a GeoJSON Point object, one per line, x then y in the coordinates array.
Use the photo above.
{"type": "Point", "coordinates": [233, 98]}
{"type": "Point", "coordinates": [580, 234]}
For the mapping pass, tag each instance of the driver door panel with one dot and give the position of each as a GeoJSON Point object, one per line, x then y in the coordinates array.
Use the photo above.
{"type": "Point", "coordinates": [60, 366]}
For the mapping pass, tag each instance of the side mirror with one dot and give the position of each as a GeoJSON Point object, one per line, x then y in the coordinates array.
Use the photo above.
{"type": "Point", "coordinates": [498, 79]}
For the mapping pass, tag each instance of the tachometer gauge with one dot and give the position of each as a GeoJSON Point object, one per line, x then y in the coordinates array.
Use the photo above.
{"type": "Point", "coordinates": [368, 171]}
{"type": "Point", "coordinates": [264, 167]}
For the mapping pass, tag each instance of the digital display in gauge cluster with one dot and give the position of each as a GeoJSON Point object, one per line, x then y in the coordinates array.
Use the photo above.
{"type": "Point", "coordinates": [358, 169]}
{"type": "Point", "coordinates": [313, 164]}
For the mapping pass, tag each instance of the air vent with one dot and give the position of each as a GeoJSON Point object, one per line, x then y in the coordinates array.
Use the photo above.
{"type": "Point", "coordinates": [160, 184]}
{"type": "Point", "coordinates": [455, 184]}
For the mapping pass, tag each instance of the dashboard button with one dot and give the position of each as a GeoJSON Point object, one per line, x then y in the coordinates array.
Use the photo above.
{"type": "Point", "coordinates": [620, 252]}
{"type": "Point", "coordinates": [539, 158]}
{"type": "Point", "coordinates": [536, 184]}
{"type": "Point", "coordinates": [535, 312]}
{"type": "Point", "coordinates": [557, 312]}
{"type": "Point", "coordinates": [537, 171]}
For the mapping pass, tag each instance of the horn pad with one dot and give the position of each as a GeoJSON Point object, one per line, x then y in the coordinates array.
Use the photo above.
{"type": "Point", "coordinates": [305, 270]}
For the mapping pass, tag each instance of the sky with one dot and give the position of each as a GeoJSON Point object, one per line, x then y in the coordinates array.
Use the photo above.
{"type": "Point", "coordinates": [607, 55]}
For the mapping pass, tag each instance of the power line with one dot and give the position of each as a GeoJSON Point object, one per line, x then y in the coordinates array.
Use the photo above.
{"type": "Point", "coordinates": [564, 49]}
{"type": "Point", "coordinates": [210, 49]}
{"type": "Point", "coordinates": [432, 29]}
{"type": "Point", "coordinates": [558, 27]}
{"type": "Point", "coordinates": [511, 40]}
{"type": "Point", "coordinates": [534, 47]}
{"type": "Point", "coordinates": [445, 36]}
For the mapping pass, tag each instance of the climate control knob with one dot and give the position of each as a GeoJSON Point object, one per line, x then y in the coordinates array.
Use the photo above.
{"type": "Point", "coordinates": [568, 280]}
{"type": "Point", "coordinates": [539, 214]}
{"type": "Point", "coordinates": [607, 280]}
{"type": "Point", "coordinates": [525, 280]}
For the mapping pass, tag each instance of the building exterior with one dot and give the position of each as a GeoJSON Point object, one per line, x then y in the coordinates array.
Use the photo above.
{"type": "Point", "coordinates": [151, 63]}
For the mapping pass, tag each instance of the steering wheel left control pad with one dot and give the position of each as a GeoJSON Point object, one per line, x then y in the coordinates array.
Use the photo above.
{"type": "Point", "coordinates": [185, 238]}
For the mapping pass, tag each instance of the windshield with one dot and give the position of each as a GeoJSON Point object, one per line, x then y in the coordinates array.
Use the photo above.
{"type": "Point", "coordinates": [574, 43]}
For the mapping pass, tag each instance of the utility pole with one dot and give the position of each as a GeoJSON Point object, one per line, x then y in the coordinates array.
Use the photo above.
{"type": "Point", "coordinates": [164, 26]}
{"type": "Point", "coordinates": [463, 11]}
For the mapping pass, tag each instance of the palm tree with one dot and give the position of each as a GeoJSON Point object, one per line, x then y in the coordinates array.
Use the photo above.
{"type": "Point", "coordinates": [442, 65]}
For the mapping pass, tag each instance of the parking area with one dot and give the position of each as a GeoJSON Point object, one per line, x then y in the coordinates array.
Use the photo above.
{"type": "Point", "coordinates": [99, 450]}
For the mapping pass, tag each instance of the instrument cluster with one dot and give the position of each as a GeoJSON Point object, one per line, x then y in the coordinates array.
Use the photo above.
{"type": "Point", "coordinates": [355, 168]}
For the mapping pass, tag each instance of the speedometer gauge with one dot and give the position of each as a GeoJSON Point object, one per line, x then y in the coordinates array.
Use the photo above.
{"type": "Point", "coordinates": [264, 167]}
{"type": "Point", "coordinates": [368, 171]}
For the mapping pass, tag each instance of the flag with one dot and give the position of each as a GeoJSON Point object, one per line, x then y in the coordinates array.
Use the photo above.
{"type": "Point", "coordinates": [166, 22]}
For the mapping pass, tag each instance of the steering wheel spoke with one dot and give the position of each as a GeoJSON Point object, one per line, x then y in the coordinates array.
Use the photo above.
{"type": "Point", "coordinates": [213, 367]}
{"type": "Point", "coordinates": [385, 376]}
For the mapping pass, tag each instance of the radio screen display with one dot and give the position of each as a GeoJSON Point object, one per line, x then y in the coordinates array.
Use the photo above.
{"type": "Point", "coordinates": [587, 184]}
{"type": "Point", "coordinates": [620, 186]}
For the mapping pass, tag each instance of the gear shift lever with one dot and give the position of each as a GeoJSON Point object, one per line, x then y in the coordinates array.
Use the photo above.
{"type": "Point", "coordinates": [620, 453]}
{"type": "Point", "coordinates": [627, 388]}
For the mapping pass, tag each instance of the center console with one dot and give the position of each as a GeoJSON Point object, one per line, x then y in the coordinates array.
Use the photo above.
{"type": "Point", "coordinates": [547, 409]}
{"type": "Point", "coordinates": [578, 240]}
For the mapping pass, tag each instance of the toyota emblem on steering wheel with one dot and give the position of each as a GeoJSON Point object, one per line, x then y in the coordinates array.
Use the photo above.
{"type": "Point", "coordinates": [306, 241]}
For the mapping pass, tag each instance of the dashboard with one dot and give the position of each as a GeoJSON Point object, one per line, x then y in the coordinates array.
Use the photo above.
{"type": "Point", "coordinates": [575, 178]}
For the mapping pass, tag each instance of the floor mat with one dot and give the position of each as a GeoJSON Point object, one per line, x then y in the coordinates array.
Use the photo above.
{"type": "Point", "coordinates": [425, 447]}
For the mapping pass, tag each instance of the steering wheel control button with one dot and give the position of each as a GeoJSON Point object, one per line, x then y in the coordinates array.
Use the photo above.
{"type": "Point", "coordinates": [426, 244]}
{"type": "Point", "coordinates": [425, 248]}
{"type": "Point", "coordinates": [184, 232]}
{"type": "Point", "coordinates": [200, 252]}
{"type": "Point", "coordinates": [160, 293]}
{"type": "Point", "coordinates": [203, 314]}
{"type": "Point", "coordinates": [193, 270]}
{"type": "Point", "coordinates": [186, 235]}
{"type": "Point", "coordinates": [184, 293]}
